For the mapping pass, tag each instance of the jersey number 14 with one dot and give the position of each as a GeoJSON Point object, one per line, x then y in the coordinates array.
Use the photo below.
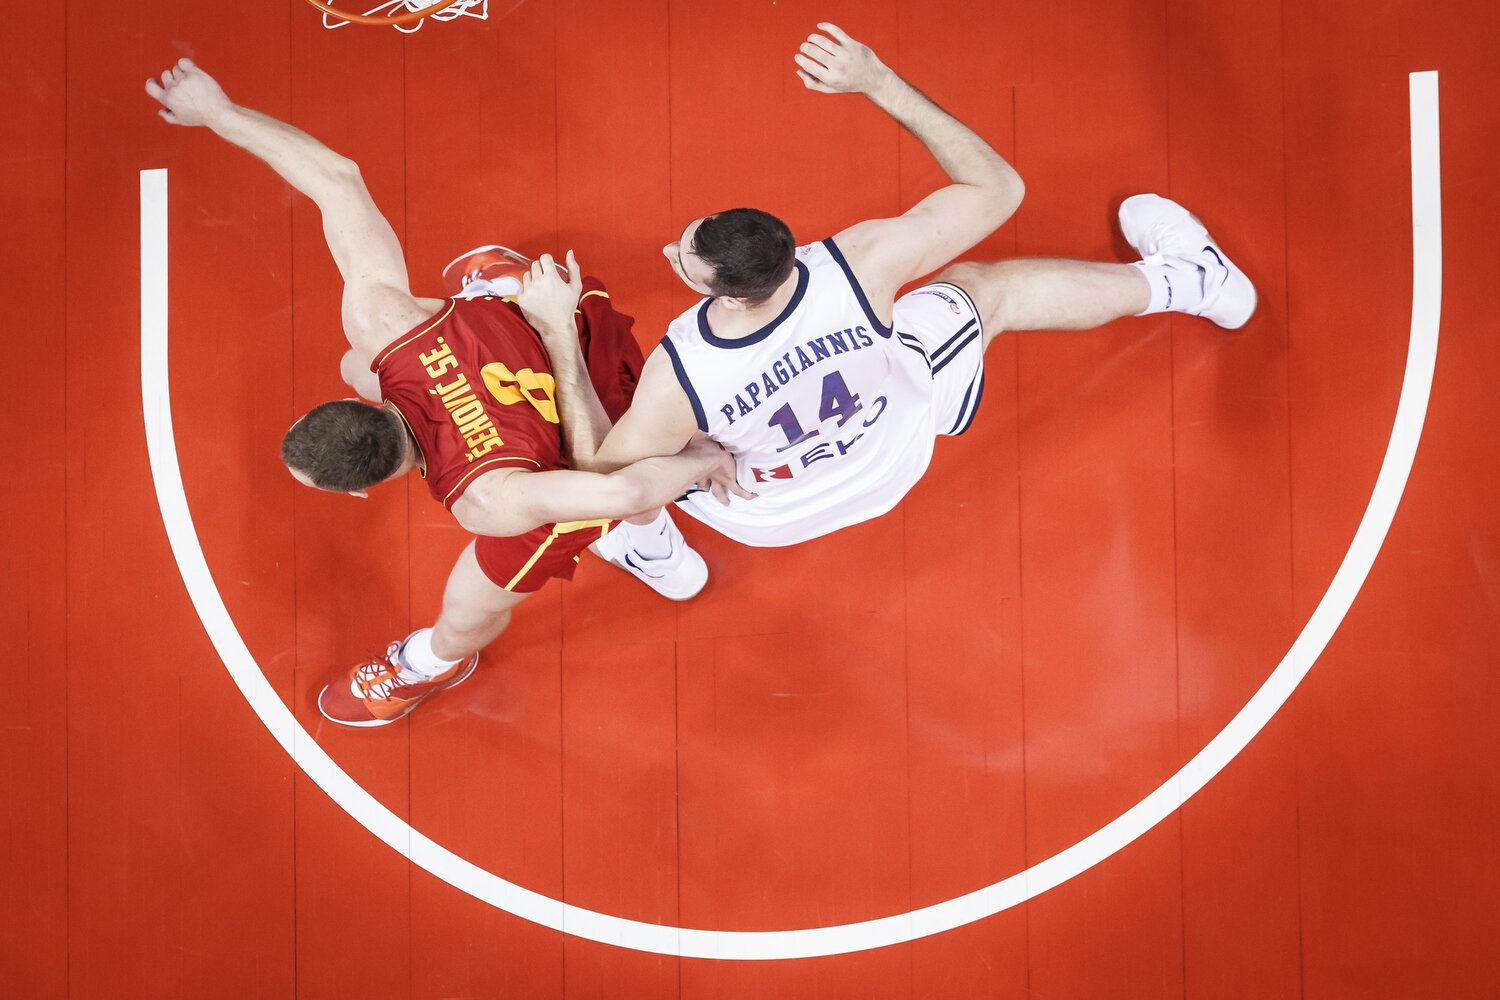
{"type": "Point", "coordinates": [837, 401]}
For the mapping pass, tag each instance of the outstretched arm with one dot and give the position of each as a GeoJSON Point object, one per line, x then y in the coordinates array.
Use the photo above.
{"type": "Point", "coordinates": [887, 253]}
{"type": "Point", "coordinates": [513, 501]}
{"type": "Point", "coordinates": [363, 244]}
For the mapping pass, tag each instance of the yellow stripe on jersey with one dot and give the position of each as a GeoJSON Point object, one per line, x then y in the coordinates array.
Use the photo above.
{"type": "Point", "coordinates": [442, 315]}
{"type": "Point", "coordinates": [561, 528]}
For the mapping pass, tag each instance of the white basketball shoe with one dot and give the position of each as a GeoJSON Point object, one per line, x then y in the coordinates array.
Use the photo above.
{"type": "Point", "coordinates": [678, 575]}
{"type": "Point", "coordinates": [1163, 232]}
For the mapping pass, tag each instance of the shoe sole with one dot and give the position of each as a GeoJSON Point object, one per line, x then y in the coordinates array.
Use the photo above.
{"type": "Point", "coordinates": [478, 250]}
{"type": "Point", "coordinates": [521, 260]}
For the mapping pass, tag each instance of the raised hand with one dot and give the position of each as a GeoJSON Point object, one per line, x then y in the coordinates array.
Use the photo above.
{"type": "Point", "coordinates": [837, 64]}
{"type": "Point", "coordinates": [188, 96]}
{"type": "Point", "coordinates": [547, 301]}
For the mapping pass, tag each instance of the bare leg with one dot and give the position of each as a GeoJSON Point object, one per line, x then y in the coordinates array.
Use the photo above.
{"type": "Point", "coordinates": [1043, 293]}
{"type": "Point", "coordinates": [475, 610]}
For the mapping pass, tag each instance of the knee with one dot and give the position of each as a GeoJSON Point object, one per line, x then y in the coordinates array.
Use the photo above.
{"type": "Point", "coordinates": [984, 282]}
{"type": "Point", "coordinates": [966, 274]}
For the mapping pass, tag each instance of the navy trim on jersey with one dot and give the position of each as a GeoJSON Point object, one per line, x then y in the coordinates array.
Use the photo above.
{"type": "Point", "coordinates": [949, 342]}
{"type": "Point", "coordinates": [859, 293]}
{"type": "Point", "coordinates": [687, 386]}
{"type": "Point", "coordinates": [913, 342]}
{"type": "Point", "coordinates": [969, 332]}
{"type": "Point", "coordinates": [763, 332]}
{"type": "Point", "coordinates": [969, 407]}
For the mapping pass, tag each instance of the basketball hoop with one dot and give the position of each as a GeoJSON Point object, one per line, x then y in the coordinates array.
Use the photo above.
{"type": "Point", "coordinates": [404, 15]}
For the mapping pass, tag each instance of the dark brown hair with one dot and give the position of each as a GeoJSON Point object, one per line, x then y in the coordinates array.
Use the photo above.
{"type": "Point", "coordinates": [750, 251]}
{"type": "Point", "coordinates": [345, 445]}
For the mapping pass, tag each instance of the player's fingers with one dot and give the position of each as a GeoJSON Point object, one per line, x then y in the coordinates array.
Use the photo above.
{"type": "Point", "coordinates": [167, 78]}
{"type": "Point", "coordinates": [823, 42]}
{"type": "Point", "coordinates": [167, 116]}
{"type": "Point", "coordinates": [814, 68]}
{"type": "Point", "coordinates": [812, 84]}
{"type": "Point", "coordinates": [153, 88]}
{"type": "Point", "coordinates": [818, 52]}
{"type": "Point", "coordinates": [836, 32]}
{"type": "Point", "coordinates": [575, 276]}
{"type": "Point", "coordinates": [732, 484]}
{"type": "Point", "coordinates": [187, 63]}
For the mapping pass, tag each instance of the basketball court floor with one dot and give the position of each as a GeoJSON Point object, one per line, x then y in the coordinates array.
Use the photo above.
{"type": "Point", "coordinates": [1176, 676]}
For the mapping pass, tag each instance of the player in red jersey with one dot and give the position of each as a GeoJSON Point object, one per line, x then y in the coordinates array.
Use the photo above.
{"type": "Point", "coordinates": [466, 396]}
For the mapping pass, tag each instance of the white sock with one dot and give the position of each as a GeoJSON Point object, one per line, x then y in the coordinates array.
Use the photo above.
{"type": "Point", "coordinates": [418, 661]}
{"type": "Point", "coordinates": [1174, 288]}
{"type": "Point", "coordinates": [651, 541]}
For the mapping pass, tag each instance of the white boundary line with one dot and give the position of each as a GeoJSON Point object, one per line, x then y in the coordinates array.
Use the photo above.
{"type": "Point", "coordinates": [813, 941]}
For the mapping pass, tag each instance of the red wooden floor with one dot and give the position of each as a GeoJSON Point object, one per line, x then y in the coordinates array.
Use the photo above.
{"type": "Point", "coordinates": [1079, 595]}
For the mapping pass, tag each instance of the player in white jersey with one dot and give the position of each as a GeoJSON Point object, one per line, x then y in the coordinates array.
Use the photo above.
{"type": "Point", "coordinates": [828, 410]}
{"type": "Point", "coordinates": [827, 388]}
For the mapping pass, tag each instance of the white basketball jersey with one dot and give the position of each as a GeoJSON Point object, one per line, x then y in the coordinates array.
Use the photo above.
{"type": "Point", "coordinates": [827, 411]}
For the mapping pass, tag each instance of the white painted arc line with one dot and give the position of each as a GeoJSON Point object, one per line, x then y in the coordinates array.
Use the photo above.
{"type": "Point", "coordinates": [844, 938]}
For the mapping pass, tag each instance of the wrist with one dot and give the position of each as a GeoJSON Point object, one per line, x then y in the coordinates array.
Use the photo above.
{"type": "Point", "coordinates": [554, 332]}
{"type": "Point", "coordinates": [558, 342]}
{"type": "Point", "coordinates": [884, 86]}
{"type": "Point", "coordinates": [228, 120]}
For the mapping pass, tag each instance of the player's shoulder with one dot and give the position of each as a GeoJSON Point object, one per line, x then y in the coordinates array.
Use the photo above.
{"type": "Point", "coordinates": [818, 254]}
{"type": "Point", "coordinates": [832, 260]}
{"type": "Point", "coordinates": [380, 316]}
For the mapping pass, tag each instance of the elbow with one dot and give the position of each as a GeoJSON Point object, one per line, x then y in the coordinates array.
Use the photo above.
{"type": "Point", "coordinates": [1004, 197]}
{"type": "Point", "coordinates": [632, 494]}
{"type": "Point", "coordinates": [341, 176]}
{"type": "Point", "coordinates": [1016, 191]}
{"type": "Point", "coordinates": [478, 516]}
{"type": "Point", "coordinates": [345, 170]}
{"type": "Point", "coordinates": [637, 498]}
{"type": "Point", "coordinates": [467, 518]}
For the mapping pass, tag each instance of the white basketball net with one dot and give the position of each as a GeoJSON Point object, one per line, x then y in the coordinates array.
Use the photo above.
{"type": "Point", "coordinates": [464, 8]}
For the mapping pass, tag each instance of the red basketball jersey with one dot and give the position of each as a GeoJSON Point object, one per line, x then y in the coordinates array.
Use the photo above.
{"type": "Point", "coordinates": [474, 384]}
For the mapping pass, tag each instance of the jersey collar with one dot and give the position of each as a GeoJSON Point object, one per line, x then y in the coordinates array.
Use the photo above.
{"type": "Point", "coordinates": [759, 335]}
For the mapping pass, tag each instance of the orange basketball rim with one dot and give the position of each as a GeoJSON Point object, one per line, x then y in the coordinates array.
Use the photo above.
{"type": "Point", "coordinates": [408, 17]}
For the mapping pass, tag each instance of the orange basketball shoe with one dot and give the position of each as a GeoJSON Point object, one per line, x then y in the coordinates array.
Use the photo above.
{"type": "Point", "coordinates": [375, 694]}
{"type": "Point", "coordinates": [492, 270]}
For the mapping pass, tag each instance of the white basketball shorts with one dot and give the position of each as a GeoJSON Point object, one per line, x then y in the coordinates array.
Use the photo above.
{"type": "Point", "coordinates": [941, 319]}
